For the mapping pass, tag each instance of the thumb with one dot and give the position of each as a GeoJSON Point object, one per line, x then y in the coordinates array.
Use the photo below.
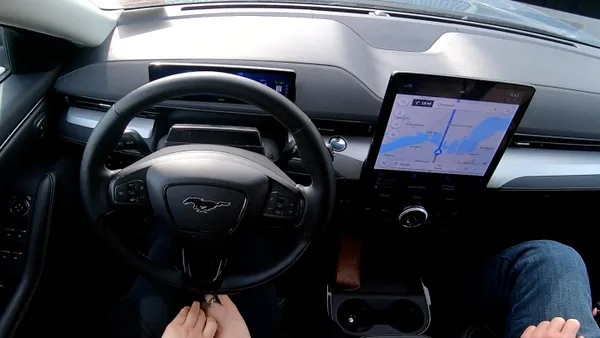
{"type": "Point", "coordinates": [227, 303]}
{"type": "Point", "coordinates": [213, 308]}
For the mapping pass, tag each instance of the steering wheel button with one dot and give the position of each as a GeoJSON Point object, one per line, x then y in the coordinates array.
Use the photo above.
{"type": "Point", "coordinates": [133, 199]}
{"type": "Point", "coordinates": [272, 198]}
{"type": "Point", "coordinates": [131, 186]}
{"type": "Point", "coordinates": [121, 193]}
{"type": "Point", "coordinates": [279, 212]}
{"type": "Point", "coordinates": [140, 187]}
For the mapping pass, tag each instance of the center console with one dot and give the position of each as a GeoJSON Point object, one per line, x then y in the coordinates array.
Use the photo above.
{"type": "Point", "coordinates": [437, 142]}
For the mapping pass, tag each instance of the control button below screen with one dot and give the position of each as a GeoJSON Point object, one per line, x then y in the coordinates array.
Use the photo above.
{"type": "Point", "coordinates": [412, 217]}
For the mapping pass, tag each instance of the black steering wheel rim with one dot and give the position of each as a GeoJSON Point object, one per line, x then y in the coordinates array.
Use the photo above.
{"type": "Point", "coordinates": [95, 177]}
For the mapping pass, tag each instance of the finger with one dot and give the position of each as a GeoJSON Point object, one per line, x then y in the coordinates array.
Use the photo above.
{"type": "Point", "coordinates": [201, 321]}
{"type": "Point", "coordinates": [215, 310]}
{"type": "Point", "coordinates": [543, 326]}
{"type": "Point", "coordinates": [228, 304]}
{"type": "Point", "coordinates": [571, 328]}
{"type": "Point", "coordinates": [528, 333]}
{"type": "Point", "coordinates": [180, 318]}
{"type": "Point", "coordinates": [595, 312]}
{"type": "Point", "coordinates": [556, 325]}
{"type": "Point", "coordinates": [192, 316]}
{"type": "Point", "coordinates": [211, 299]}
{"type": "Point", "coordinates": [210, 329]}
{"type": "Point", "coordinates": [226, 301]}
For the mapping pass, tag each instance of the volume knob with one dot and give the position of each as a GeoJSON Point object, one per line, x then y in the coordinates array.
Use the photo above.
{"type": "Point", "coordinates": [413, 216]}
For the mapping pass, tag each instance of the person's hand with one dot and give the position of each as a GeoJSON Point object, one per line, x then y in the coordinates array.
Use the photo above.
{"type": "Point", "coordinates": [229, 320]}
{"type": "Point", "coordinates": [557, 328]}
{"type": "Point", "coordinates": [191, 322]}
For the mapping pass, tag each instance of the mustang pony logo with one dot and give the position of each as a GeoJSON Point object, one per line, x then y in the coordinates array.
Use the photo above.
{"type": "Point", "coordinates": [202, 205]}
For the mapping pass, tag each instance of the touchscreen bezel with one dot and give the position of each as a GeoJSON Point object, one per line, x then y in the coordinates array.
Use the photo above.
{"type": "Point", "coordinates": [411, 84]}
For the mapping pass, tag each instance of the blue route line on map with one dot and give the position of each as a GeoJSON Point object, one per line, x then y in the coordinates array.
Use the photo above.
{"type": "Point", "coordinates": [460, 146]}
{"type": "Point", "coordinates": [464, 145]}
{"type": "Point", "coordinates": [438, 151]}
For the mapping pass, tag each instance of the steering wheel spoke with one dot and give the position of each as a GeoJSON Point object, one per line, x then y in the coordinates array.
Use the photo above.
{"type": "Point", "coordinates": [128, 187]}
{"type": "Point", "coordinates": [203, 267]}
{"type": "Point", "coordinates": [129, 192]}
{"type": "Point", "coordinates": [283, 206]}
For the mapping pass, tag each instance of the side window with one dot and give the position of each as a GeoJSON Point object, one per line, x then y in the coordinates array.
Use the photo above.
{"type": "Point", "coordinates": [3, 56]}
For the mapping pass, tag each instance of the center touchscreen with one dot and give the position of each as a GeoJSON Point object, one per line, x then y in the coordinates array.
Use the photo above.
{"type": "Point", "coordinates": [440, 126]}
{"type": "Point", "coordinates": [443, 134]}
{"type": "Point", "coordinates": [437, 143]}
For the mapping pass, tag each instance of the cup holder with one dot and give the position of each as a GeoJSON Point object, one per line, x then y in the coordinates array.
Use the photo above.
{"type": "Point", "coordinates": [405, 316]}
{"type": "Point", "coordinates": [355, 315]}
{"type": "Point", "coordinates": [359, 316]}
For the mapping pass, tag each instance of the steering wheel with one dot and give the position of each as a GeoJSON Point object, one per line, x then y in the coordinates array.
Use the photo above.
{"type": "Point", "coordinates": [206, 195]}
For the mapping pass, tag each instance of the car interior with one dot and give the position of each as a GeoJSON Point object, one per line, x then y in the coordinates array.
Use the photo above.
{"type": "Point", "coordinates": [378, 156]}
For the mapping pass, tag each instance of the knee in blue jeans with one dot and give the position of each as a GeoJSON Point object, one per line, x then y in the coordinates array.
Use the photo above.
{"type": "Point", "coordinates": [553, 255]}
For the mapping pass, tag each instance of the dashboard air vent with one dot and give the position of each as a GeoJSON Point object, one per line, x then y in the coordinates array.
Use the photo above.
{"type": "Point", "coordinates": [102, 105]}
{"type": "Point", "coordinates": [336, 127]}
{"type": "Point", "coordinates": [553, 142]}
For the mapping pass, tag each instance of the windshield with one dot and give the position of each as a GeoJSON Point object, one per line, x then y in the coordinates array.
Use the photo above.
{"type": "Point", "coordinates": [505, 13]}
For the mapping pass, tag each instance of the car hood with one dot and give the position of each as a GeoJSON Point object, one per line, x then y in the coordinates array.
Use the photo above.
{"type": "Point", "coordinates": [509, 13]}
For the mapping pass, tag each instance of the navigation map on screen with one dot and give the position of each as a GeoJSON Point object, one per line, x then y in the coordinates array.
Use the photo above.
{"type": "Point", "coordinates": [443, 135]}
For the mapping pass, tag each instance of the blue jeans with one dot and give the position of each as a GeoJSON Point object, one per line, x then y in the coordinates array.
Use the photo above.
{"type": "Point", "coordinates": [525, 284]}
{"type": "Point", "coordinates": [536, 281]}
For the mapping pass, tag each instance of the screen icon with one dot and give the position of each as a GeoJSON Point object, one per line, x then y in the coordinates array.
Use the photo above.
{"type": "Point", "coordinates": [422, 103]}
{"type": "Point", "coordinates": [279, 88]}
{"type": "Point", "coordinates": [393, 135]}
{"type": "Point", "coordinates": [399, 113]}
{"type": "Point", "coordinates": [402, 101]}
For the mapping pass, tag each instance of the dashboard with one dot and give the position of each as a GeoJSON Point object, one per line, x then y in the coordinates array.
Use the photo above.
{"type": "Point", "coordinates": [335, 67]}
